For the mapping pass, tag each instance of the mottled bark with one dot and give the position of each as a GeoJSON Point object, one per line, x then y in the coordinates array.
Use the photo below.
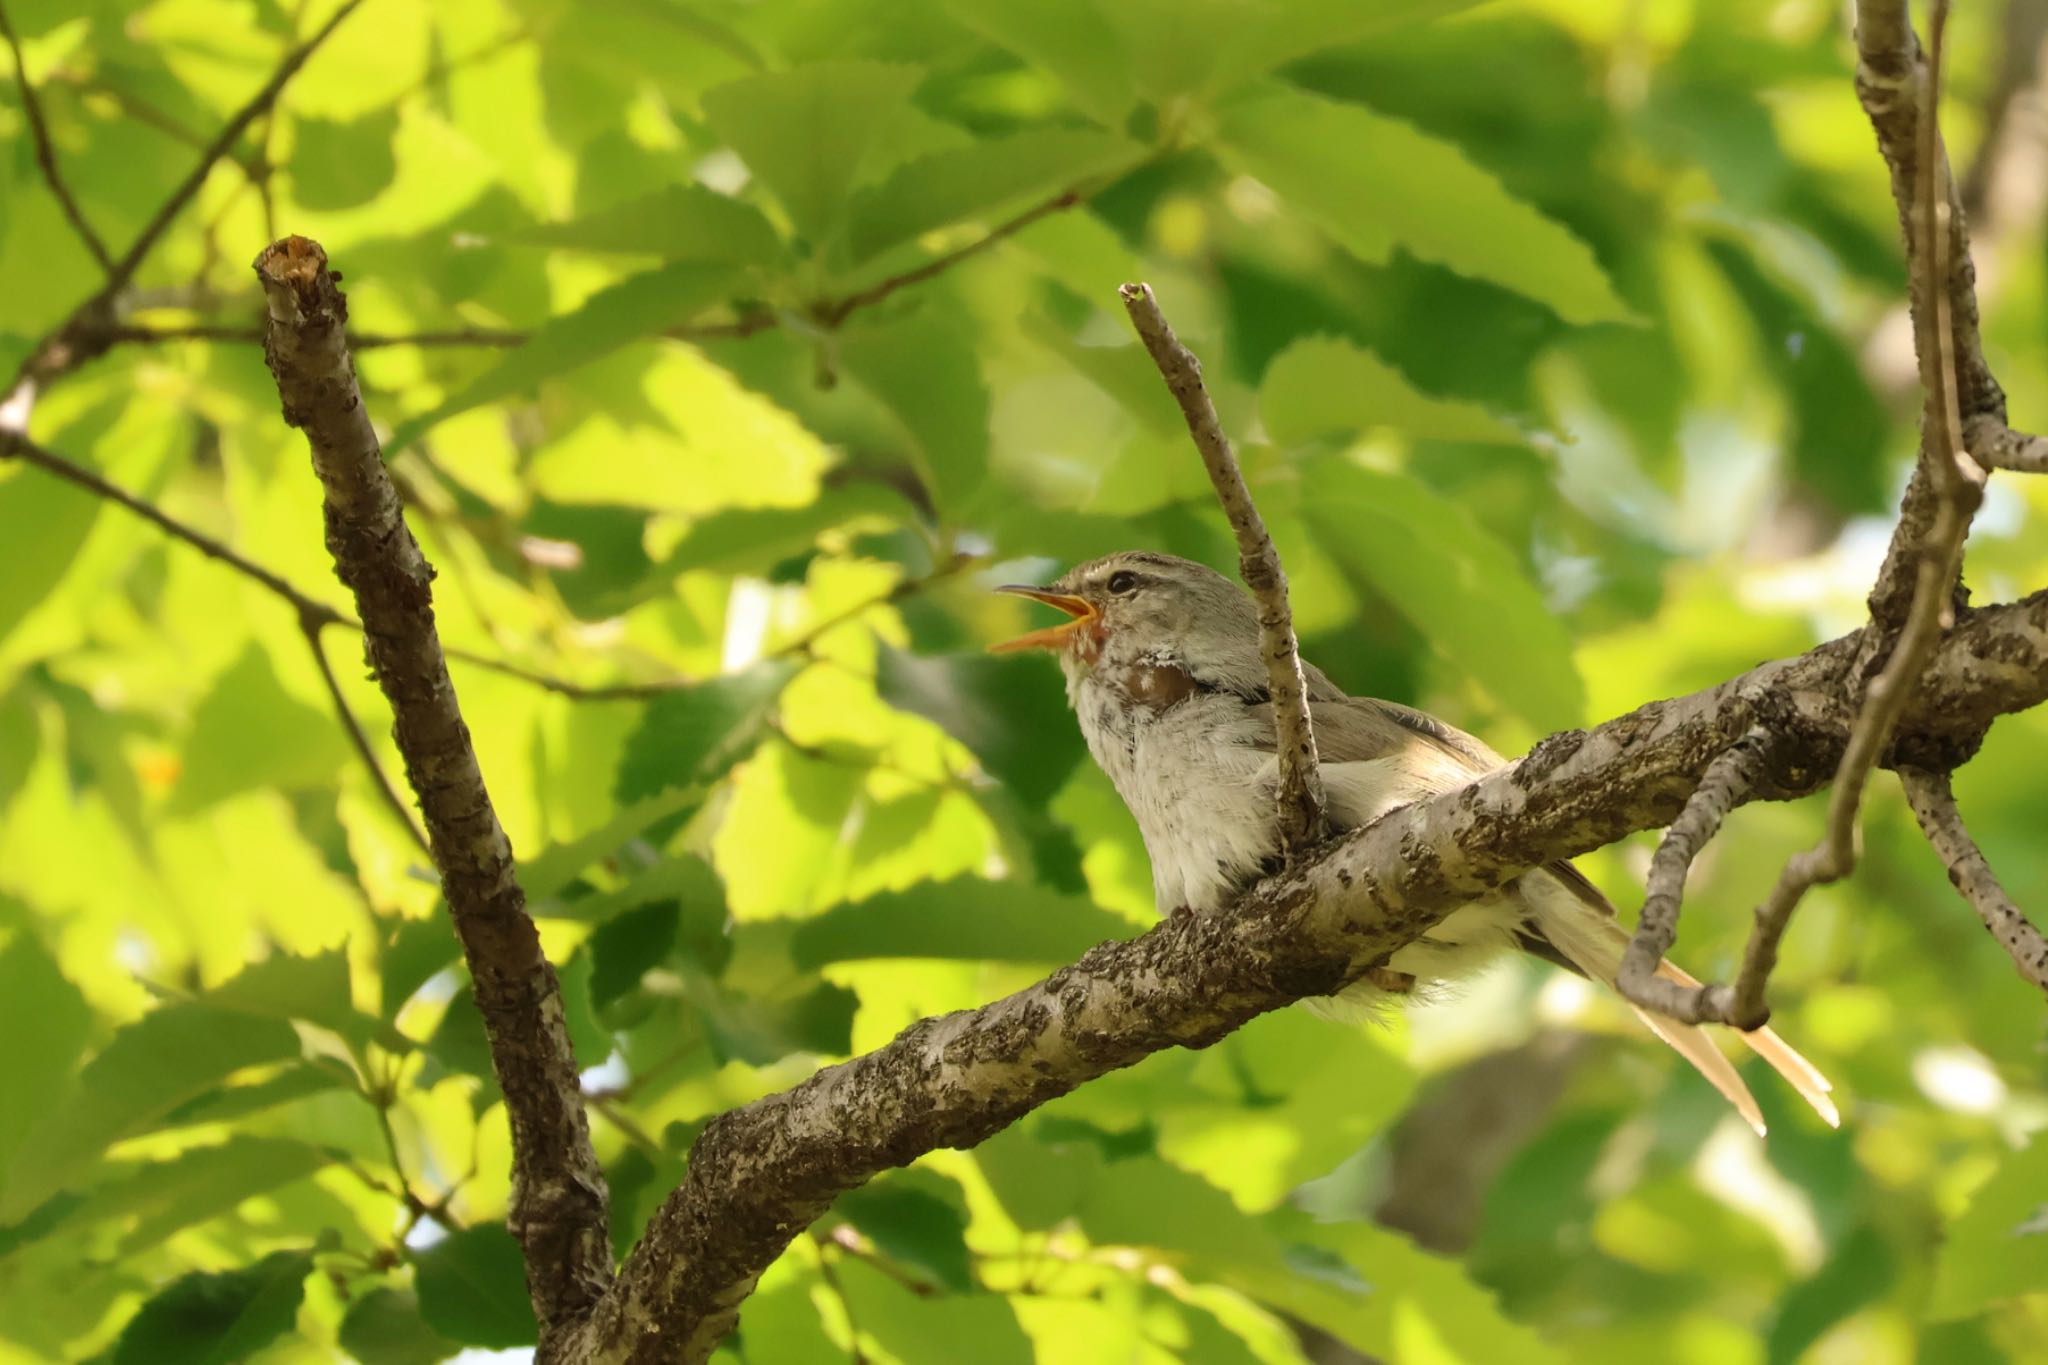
{"type": "Point", "coordinates": [760, 1174]}
{"type": "Point", "coordinates": [558, 1211]}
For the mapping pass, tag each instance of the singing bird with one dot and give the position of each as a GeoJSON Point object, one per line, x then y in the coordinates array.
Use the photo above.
{"type": "Point", "coordinates": [1163, 669]}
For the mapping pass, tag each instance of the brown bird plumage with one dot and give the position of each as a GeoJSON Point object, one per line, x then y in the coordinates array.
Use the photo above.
{"type": "Point", "coordinates": [1162, 662]}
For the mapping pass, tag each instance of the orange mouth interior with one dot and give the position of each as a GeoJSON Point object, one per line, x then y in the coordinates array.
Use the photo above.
{"type": "Point", "coordinates": [1051, 637]}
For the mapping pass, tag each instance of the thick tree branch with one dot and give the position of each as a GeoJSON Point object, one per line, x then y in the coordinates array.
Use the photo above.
{"type": "Point", "coordinates": [559, 1205]}
{"type": "Point", "coordinates": [46, 151]}
{"type": "Point", "coordinates": [1934, 804]}
{"type": "Point", "coordinates": [1304, 819]}
{"type": "Point", "coordinates": [760, 1174]}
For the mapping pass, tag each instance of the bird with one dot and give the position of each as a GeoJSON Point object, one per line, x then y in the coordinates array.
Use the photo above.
{"type": "Point", "coordinates": [1165, 674]}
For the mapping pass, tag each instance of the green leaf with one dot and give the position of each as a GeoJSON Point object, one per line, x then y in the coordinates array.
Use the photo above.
{"type": "Point", "coordinates": [1998, 1249]}
{"type": "Point", "coordinates": [626, 947]}
{"type": "Point", "coordinates": [295, 1082]}
{"type": "Point", "coordinates": [1858, 1273]}
{"type": "Point", "coordinates": [913, 1225]}
{"type": "Point", "coordinates": [760, 1031]}
{"type": "Point", "coordinates": [1461, 587]}
{"type": "Point", "coordinates": [168, 1056]}
{"type": "Point", "coordinates": [676, 222]}
{"type": "Point", "coordinates": [459, 1044]}
{"type": "Point", "coordinates": [1280, 1102]}
{"type": "Point", "coordinates": [642, 306]}
{"type": "Point", "coordinates": [217, 1319]}
{"type": "Point", "coordinates": [588, 1037]}
{"type": "Point", "coordinates": [754, 539]}
{"type": "Point", "coordinates": [967, 919]}
{"type": "Point", "coordinates": [695, 736]}
{"type": "Point", "coordinates": [924, 371]}
{"type": "Point", "coordinates": [43, 522]}
{"type": "Point", "coordinates": [472, 1288]}
{"type": "Point", "coordinates": [159, 1198]}
{"type": "Point", "coordinates": [1321, 385]}
{"type": "Point", "coordinates": [384, 1327]}
{"type": "Point", "coordinates": [1010, 710]}
{"type": "Point", "coordinates": [962, 182]}
{"type": "Point", "coordinates": [340, 165]}
{"type": "Point", "coordinates": [1070, 39]}
{"type": "Point", "coordinates": [249, 732]}
{"type": "Point", "coordinates": [1192, 47]}
{"type": "Point", "coordinates": [1373, 182]}
{"type": "Point", "coordinates": [314, 989]}
{"type": "Point", "coordinates": [811, 133]}
{"type": "Point", "coordinates": [413, 950]}
{"type": "Point", "coordinates": [45, 1021]}
{"type": "Point", "coordinates": [920, 1330]}
{"type": "Point", "coordinates": [551, 871]}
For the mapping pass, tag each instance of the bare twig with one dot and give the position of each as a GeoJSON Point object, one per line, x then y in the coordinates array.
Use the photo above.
{"type": "Point", "coordinates": [1729, 781]}
{"type": "Point", "coordinates": [1893, 86]}
{"type": "Point", "coordinates": [258, 103]}
{"type": "Point", "coordinates": [559, 1204]}
{"type": "Point", "coordinates": [1997, 446]}
{"type": "Point", "coordinates": [835, 311]}
{"type": "Point", "coordinates": [1304, 821]}
{"type": "Point", "coordinates": [14, 444]}
{"type": "Point", "coordinates": [89, 338]}
{"type": "Point", "coordinates": [82, 336]}
{"type": "Point", "coordinates": [310, 628]}
{"type": "Point", "coordinates": [252, 335]}
{"type": "Point", "coordinates": [46, 151]}
{"type": "Point", "coordinates": [1934, 804]}
{"type": "Point", "coordinates": [1956, 484]}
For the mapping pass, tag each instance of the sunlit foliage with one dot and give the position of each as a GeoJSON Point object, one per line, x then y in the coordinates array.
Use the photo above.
{"type": "Point", "coordinates": [1564, 342]}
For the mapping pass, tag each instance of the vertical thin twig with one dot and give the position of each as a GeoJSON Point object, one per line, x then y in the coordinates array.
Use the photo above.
{"type": "Point", "coordinates": [309, 627]}
{"type": "Point", "coordinates": [1957, 481]}
{"type": "Point", "coordinates": [1304, 818]}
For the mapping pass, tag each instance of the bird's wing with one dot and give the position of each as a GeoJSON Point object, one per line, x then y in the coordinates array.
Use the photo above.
{"type": "Point", "coordinates": [1571, 923]}
{"type": "Point", "coordinates": [1365, 730]}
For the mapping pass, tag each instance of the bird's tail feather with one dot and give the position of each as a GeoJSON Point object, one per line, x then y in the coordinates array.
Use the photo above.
{"type": "Point", "coordinates": [1585, 932]}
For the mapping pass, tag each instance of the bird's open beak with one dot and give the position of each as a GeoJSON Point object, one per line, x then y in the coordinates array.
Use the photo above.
{"type": "Point", "coordinates": [1051, 637]}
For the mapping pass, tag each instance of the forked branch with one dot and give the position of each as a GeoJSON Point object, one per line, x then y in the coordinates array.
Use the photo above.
{"type": "Point", "coordinates": [1926, 552]}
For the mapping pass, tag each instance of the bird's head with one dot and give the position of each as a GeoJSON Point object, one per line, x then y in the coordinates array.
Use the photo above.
{"type": "Point", "coordinates": [1137, 608]}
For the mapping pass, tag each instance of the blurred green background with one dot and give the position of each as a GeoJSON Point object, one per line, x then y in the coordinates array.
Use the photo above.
{"type": "Point", "coordinates": [1564, 343]}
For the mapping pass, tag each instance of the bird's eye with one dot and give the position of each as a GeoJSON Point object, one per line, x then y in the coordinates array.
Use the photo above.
{"type": "Point", "coordinates": [1122, 582]}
